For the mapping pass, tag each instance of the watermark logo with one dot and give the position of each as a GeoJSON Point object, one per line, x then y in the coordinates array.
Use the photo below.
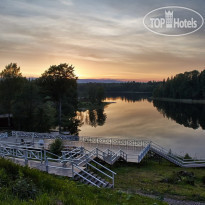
{"type": "Point", "coordinates": [173, 21]}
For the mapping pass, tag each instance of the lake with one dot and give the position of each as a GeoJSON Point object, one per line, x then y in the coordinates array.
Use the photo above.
{"type": "Point", "coordinates": [176, 126]}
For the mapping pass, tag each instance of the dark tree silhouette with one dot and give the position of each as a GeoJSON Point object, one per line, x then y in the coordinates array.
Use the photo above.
{"type": "Point", "coordinates": [59, 82]}
{"type": "Point", "coordinates": [189, 85]}
{"type": "Point", "coordinates": [11, 82]}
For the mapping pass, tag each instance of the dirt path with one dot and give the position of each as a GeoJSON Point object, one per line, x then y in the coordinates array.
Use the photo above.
{"type": "Point", "coordinates": [172, 201]}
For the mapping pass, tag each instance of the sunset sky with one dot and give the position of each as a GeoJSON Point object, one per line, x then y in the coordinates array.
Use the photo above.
{"type": "Point", "coordinates": [103, 39]}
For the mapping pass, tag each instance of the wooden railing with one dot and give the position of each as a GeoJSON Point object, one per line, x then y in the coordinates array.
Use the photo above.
{"type": "Point", "coordinates": [43, 135]}
{"type": "Point", "coordinates": [115, 141]}
{"type": "Point", "coordinates": [143, 153]}
{"type": "Point", "coordinates": [3, 135]}
{"type": "Point", "coordinates": [176, 159]}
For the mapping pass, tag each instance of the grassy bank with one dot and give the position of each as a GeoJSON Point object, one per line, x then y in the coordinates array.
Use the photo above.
{"type": "Point", "coordinates": [161, 179]}
{"type": "Point", "coordinates": [25, 186]}
{"type": "Point", "coordinates": [188, 101]}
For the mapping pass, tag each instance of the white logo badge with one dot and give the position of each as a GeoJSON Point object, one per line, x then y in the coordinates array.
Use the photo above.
{"type": "Point", "coordinates": [173, 21]}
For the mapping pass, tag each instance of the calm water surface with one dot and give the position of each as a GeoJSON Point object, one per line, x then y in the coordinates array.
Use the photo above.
{"type": "Point", "coordinates": [173, 125]}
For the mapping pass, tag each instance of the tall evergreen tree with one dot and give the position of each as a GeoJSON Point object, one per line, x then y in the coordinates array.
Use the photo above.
{"type": "Point", "coordinates": [11, 82]}
{"type": "Point", "coordinates": [60, 83]}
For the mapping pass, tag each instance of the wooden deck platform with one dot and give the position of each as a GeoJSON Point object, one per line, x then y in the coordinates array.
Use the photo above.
{"type": "Point", "coordinates": [131, 151]}
{"type": "Point", "coordinates": [53, 168]}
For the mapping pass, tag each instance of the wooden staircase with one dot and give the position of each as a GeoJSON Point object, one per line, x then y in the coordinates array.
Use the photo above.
{"type": "Point", "coordinates": [174, 158]}
{"type": "Point", "coordinates": [90, 178]}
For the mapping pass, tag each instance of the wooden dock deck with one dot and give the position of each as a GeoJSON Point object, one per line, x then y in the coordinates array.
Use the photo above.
{"type": "Point", "coordinates": [79, 155]}
{"type": "Point", "coordinates": [131, 151]}
{"type": "Point", "coordinates": [54, 167]}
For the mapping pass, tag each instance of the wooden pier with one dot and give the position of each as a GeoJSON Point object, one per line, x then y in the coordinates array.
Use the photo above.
{"type": "Point", "coordinates": [80, 155]}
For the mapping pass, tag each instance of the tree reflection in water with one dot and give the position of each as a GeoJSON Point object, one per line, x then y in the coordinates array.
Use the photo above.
{"type": "Point", "coordinates": [93, 118]}
{"type": "Point", "coordinates": [188, 115]}
{"type": "Point", "coordinates": [129, 97]}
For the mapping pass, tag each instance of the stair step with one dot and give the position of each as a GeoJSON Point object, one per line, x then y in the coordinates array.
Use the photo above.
{"type": "Point", "coordinates": [89, 177]}
{"type": "Point", "coordinates": [109, 186]}
{"type": "Point", "coordinates": [105, 185]}
{"type": "Point", "coordinates": [87, 182]}
{"type": "Point", "coordinates": [83, 174]}
{"type": "Point", "coordinates": [102, 183]}
{"type": "Point", "coordinates": [99, 183]}
{"type": "Point", "coordinates": [76, 177]}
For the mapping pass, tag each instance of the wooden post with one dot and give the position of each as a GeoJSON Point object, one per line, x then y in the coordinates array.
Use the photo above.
{"type": "Point", "coordinates": [96, 152]}
{"type": "Point", "coordinates": [41, 156]}
{"type": "Point", "coordinates": [82, 150]}
{"type": "Point", "coordinates": [72, 169]}
{"type": "Point", "coordinates": [26, 157]}
{"type": "Point", "coordinates": [46, 165]}
{"type": "Point", "coordinates": [33, 138]}
{"type": "Point", "coordinates": [3, 153]}
{"type": "Point", "coordinates": [86, 162]}
{"type": "Point", "coordinates": [16, 136]}
{"type": "Point", "coordinates": [45, 155]}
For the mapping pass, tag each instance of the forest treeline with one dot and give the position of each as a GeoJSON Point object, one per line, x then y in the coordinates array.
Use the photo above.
{"type": "Point", "coordinates": [52, 100]}
{"type": "Point", "coordinates": [188, 85]}
{"type": "Point", "coordinates": [119, 87]}
{"type": "Point", "coordinates": [49, 101]}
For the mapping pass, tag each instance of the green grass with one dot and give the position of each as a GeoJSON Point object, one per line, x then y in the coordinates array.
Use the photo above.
{"type": "Point", "coordinates": [25, 186]}
{"type": "Point", "coordinates": [148, 178]}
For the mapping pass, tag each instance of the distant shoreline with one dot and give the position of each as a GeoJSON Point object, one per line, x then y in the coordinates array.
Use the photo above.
{"type": "Point", "coordinates": [93, 106]}
{"type": "Point", "coordinates": [128, 92]}
{"type": "Point", "coordinates": [188, 101]}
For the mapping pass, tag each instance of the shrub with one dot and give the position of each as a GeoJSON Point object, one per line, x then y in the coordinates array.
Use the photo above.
{"type": "Point", "coordinates": [181, 177]}
{"type": "Point", "coordinates": [187, 156]}
{"type": "Point", "coordinates": [4, 179]}
{"type": "Point", "coordinates": [10, 168]}
{"type": "Point", "coordinates": [56, 147]}
{"type": "Point", "coordinates": [203, 180]}
{"type": "Point", "coordinates": [24, 188]}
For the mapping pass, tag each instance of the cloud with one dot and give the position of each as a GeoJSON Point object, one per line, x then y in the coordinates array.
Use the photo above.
{"type": "Point", "coordinates": [66, 2]}
{"type": "Point", "coordinates": [108, 31]}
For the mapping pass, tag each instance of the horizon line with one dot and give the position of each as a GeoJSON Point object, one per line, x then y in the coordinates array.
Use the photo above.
{"type": "Point", "coordinates": [110, 79]}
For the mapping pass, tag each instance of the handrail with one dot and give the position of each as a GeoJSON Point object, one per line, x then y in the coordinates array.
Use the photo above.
{"type": "Point", "coordinates": [120, 153]}
{"type": "Point", "coordinates": [43, 135]}
{"type": "Point", "coordinates": [123, 154]}
{"type": "Point", "coordinates": [52, 154]}
{"type": "Point", "coordinates": [143, 153]}
{"type": "Point", "coordinates": [86, 179]}
{"type": "Point", "coordinates": [115, 141]}
{"type": "Point", "coordinates": [99, 170]}
{"type": "Point", "coordinates": [3, 135]}
{"type": "Point", "coordinates": [115, 156]}
{"type": "Point", "coordinates": [85, 154]}
{"type": "Point", "coordinates": [110, 152]}
{"type": "Point", "coordinates": [103, 152]}
{"type": "Point", "coordinates": [19, 145]}
{"type": "Point", "coordinates": [68, 159]}
{"type": "Point", "coordinates": [103, 166]}
{"type": "Point", "coordinates": [180, 161]}
{"type": "Point", "coordinates": [85, 157]}
{"type": "Point", "coordinates": [88, 174]}
{"type": "Point", "coordinates": [167, 154]}
{"type": "Point", "coordinates": [79, 149]}
{"type": "Point", "coordinates": [59, 167]}
{"type": "Point", "coordinates": [165, 150]}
